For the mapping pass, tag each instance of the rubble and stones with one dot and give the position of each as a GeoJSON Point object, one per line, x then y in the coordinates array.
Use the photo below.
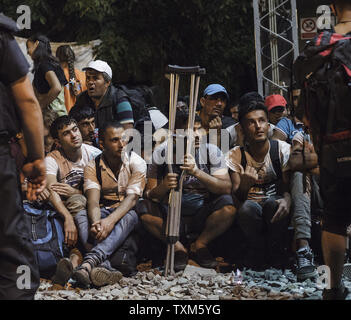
{"type": "Point", "coordinates": [194, 284]}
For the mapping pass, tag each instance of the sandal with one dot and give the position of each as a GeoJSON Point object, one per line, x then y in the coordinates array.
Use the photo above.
{"type": "Point", "coordinates": [102, 276]}
{"type": "Point", "coordinates": [81, 275]}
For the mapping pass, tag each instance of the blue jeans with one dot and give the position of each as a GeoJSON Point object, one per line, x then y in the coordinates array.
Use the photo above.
{"type": "Point", "coordinates": [101, 251]}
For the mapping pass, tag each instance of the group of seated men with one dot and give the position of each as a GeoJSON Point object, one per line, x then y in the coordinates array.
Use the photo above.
{"type": "Point", "coordinates": [238, 177]}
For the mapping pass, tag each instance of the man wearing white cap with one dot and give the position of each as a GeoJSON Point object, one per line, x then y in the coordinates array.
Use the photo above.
{"type": "Point", "coordinates": [108, 102]}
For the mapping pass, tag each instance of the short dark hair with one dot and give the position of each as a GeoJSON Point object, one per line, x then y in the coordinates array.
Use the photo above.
{"type": "Point", "coordinates": [181, 119]}
{"type": "Point", "coordinates": [247, 98]}
{"type": "Point", "coordinates": [79, 113]}
{"type": "Point", "coordinates": [105, 126]}
{"type": "Point", "coordinates": [251, 106]}
{"type": "Point", "coordinates": [59, 123]}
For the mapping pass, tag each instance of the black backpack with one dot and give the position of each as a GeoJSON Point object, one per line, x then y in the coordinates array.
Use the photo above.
{"type": "Point", "coordinates": [124, 258]}
{"type": "Point", "coordinates": [139, 98]}
{"type": "Point", "coordinates": [323, 71]}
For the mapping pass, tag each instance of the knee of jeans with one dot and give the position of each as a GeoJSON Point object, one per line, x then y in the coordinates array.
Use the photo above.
{"type": "Point", "coordinates": [131, 218]}
{"type": "Point", "coordinates": [249, 211]}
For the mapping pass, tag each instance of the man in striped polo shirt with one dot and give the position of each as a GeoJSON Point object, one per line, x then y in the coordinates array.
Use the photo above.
{"type": "Point", "coordinates": [108, 102]}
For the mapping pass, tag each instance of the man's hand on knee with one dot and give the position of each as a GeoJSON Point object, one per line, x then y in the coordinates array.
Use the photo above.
{"type": "Point", "coordinates": [282, 211]}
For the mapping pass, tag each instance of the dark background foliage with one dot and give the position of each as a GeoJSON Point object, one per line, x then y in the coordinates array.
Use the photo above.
{"type": "Point", "coordinates": [140, 37]}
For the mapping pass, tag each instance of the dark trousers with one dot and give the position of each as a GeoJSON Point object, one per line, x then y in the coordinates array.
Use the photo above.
{"type": "Point", "coordinates": [16, 250]}
{"type": "Point", "coordinates": [265, 239]}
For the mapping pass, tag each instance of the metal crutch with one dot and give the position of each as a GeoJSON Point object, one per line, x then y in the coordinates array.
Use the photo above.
{"type": "Point", "coordinates": [175, 196]}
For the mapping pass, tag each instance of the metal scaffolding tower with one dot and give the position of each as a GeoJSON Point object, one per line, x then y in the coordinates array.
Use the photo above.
{"type": "Point", "coordinates": [276, 36]}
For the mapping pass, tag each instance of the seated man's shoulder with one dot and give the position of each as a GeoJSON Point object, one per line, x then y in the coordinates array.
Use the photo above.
{"type": "Point", "coordinates": [92, 151]}
{"type": "Point", "coordinates": [234, 155]}
{"type": "Point", "coordinates": [136, 159]}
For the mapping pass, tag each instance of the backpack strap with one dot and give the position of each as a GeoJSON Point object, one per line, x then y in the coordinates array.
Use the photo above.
{"type": "Point", "coordinates": [275, 158]}
{"type": "Point", "coordinates": [243, 158]}
{"type": "Point", "coordinates": [98, 169]}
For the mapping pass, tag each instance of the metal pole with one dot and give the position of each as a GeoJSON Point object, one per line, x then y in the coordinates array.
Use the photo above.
{"type": "Point", "coordinates": [258, 47]}
{"type": "Point", "coordinates": [272, 65]}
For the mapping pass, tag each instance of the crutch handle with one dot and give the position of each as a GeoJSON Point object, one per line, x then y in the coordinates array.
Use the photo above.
{"type": "Point", "coordinates": [183, 70]}
{"type": "Point", "coordinates": [202, 71]}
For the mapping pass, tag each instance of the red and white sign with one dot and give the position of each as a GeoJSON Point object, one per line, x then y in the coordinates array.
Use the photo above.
{"type": "Point", "coordinates": [308, 28]}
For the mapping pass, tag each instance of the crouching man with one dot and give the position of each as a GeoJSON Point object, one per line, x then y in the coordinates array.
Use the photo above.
{"type": "Point", "coordinates": [64, 188]}
{"type": "Point", "coordinates": [113, 183]}
{"type": "Point", "coordinates": [206, 203]}
{"type": "Point", "coordinates": [260, 178]}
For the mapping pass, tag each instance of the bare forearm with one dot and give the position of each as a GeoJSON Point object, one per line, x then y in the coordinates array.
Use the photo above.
{"type": "Point", "coordinates": [287, 198]}
{"type": "Point", "coordinates": [94, 212]}
{"type": "Point", "coordinates": [31, 118]}
{"type": "Point", "coordinates": [48, 98]}
{"type": "Point", "coordinates": [158, 192]}
{"type": "Point", "coordinates": [214, 184]}
{"type": "Point", "coordinates": [58, 205]}
{"type": "Point", "coordinates": [126, 205]}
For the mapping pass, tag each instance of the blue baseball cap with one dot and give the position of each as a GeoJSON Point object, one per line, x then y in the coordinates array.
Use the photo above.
{"type": "Point", "coordinates": [215, 88]}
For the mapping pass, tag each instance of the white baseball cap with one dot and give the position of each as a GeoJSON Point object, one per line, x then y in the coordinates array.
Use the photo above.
{"type": "Point", "coordinates": [100, 66]}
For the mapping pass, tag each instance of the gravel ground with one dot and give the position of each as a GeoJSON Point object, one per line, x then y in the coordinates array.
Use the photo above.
{"type": "Point", "coordinates": [194, 283]}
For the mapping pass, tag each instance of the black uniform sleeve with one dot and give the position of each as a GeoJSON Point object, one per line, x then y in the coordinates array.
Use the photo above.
{"type": "Point", "coordinates": [13, 64]}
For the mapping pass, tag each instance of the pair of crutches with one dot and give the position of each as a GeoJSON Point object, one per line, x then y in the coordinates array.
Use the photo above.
{"type": "Point", "coordinates": [175, 195]}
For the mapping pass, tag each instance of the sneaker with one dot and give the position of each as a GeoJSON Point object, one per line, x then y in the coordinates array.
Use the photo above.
{"type": "Point", "coordinates": [305, 268]}
{"type": "Point", "coordinates": [180, 260]}
{"type": "Point", "coordinates": [335, 293]}
{"type": "Point", "coordinates": [101, 276]}
{"type": "Point", "coordinates": [347, 271]}
{"type": "Point", "coordinates": [82, 276]}
{"type": "Point", "coordinates": [204, 258]}
{"type": "Point", "coordinates": [64, 271]}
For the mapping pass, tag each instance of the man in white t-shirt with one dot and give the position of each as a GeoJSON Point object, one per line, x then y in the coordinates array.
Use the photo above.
{"type": "Point", "coordinates": [236, 133]}
{"type": "Point", "coordinates": [260, 185]}
{"type": "Point", "coordinates": [65, 173]}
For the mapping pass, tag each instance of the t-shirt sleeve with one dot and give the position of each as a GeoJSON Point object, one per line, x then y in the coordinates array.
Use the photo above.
{"type": "Point", "coordinates": [51, 166]}
{"type": "Point", "coordinates": [218, 166]}
{"type": "Point", "coordinates": [13, 64]}
{"type": "Point", "coordinates": [232, 135]}
{"type": "Point", "coordinates": [284, 127]}
{"type": "Point", "coordinates": [125, 112]}
{"type": "Point", "coordinates": [233, 160]}
{"type": "Point", "coordinates": [284, 155]}
{"type": "Point", "coordinates": [90, 179]}
{"type": "Point", "coordinates": [137, 181]}
{"type": "Point", "coordinates": [46, 67]}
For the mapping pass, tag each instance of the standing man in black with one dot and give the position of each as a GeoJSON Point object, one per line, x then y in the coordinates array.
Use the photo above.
{"type": "Point", "coordinates": [15, 89]}
{"type": "Point", "coordinates": [323, 71]}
